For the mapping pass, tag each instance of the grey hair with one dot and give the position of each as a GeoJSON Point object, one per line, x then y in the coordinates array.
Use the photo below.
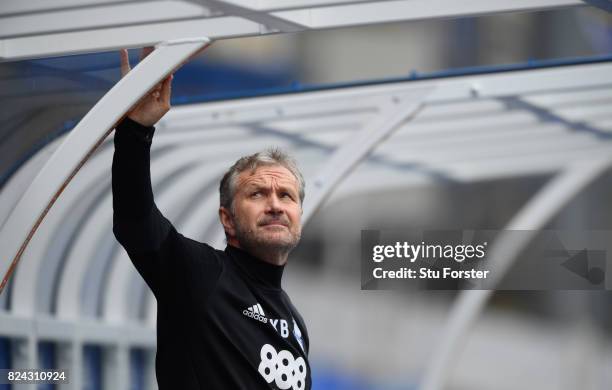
{"type": "Point", "coordinates": [272, 156]}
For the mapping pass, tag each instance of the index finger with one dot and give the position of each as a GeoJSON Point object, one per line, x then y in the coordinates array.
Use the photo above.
{"type": "Point", "coordinates": [125, 62]}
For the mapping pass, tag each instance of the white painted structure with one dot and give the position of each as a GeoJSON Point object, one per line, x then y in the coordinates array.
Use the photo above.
{"type": "Point", "coordinates": [74, 285]}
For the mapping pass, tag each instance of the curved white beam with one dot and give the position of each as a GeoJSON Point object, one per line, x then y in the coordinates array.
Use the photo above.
{"type": "Point", "coordinates": [27, 278]}
{"type": "Point", "coordinates": [77, 264]}
{"type": "Point", "coordinates": [400, 109]}
{"type": "Point", "coordinates": [503, 253]}
{"type": "Point", "coordinates": [81, 143]}
{"type": "Point", "coordinates": [18, 182]}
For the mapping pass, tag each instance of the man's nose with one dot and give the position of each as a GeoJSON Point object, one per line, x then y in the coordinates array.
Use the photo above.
{"type": "Point", "coordinates": [274, 204]}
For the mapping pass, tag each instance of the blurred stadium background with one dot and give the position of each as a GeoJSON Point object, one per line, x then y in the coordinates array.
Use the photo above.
{"type": "Point", "coordinates": [75, 300]}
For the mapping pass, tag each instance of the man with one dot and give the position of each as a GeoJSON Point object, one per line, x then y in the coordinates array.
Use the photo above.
{"type": "Point", "coordinates": [223, 320]}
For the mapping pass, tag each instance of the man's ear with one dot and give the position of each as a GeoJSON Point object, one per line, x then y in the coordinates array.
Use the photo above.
{"type": "Point", "coordinates": [225, 216]}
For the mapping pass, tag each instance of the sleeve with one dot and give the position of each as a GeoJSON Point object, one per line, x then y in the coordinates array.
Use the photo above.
{"type": "Point", "coordinates": [137, 223]}
{"type": "Point", "coordinates": [154, 246]}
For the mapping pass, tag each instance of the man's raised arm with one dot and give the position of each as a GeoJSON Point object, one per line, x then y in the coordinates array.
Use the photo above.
{"type": "Point", "coordinates": [162, 256]}
{"type": "Point", "coordinates": [137, 223]}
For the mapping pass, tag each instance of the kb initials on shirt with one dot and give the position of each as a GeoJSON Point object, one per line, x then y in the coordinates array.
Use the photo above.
{"type": "Point", "coordinates": [280, 326]}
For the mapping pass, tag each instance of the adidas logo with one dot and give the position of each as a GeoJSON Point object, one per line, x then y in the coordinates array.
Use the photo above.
{"type": "Point", "coordinates": [256, 313]}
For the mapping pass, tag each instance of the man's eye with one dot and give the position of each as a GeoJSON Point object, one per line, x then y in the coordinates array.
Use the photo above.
{"type": "Point", "coordinates": [286, 195]}
{"type": "Point", "coordinates": [255, 194]}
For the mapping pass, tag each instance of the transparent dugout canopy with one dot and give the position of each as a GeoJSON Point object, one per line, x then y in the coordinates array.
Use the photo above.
{"type": "Point", "coordinates": [481, 125]}
{"type": "Point", "coordinates": [471, 127]}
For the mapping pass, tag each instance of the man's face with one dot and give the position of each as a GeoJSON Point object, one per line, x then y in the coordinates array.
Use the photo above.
{"type": "Point", "coordinates": [267, 209]}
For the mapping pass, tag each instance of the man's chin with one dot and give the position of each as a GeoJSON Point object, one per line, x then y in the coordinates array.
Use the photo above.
{"type": "Point", "coordinates": [271, 242]}
{"type": "Point", "coordinates": [268, 238]}
{"type": "Point", "coordinates": [277, 240]}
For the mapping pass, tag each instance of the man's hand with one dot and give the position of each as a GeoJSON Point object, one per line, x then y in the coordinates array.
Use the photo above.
{"type": "Point", "coordinates": [156, 103]}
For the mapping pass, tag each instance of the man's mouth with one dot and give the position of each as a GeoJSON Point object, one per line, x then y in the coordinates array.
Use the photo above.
{"type": "Point", "coordinates": [274, 223]}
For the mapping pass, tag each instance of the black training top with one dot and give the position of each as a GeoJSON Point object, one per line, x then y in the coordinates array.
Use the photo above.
{"type": "Point", "coordinates": [223, 320]}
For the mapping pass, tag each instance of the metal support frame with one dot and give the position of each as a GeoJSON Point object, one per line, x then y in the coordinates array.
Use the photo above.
{"type": "Point", "coordinates": [104, 16]}
{"type": "Point", "coordinates": [401, 10]}
{"type": "Point", "coordinates": [38, 29]}
{"type": "Point", "coordinates": [81, 143]}
{"type": "Point", "coordinates": [271, 21]}
{"type": "Point", "coordinates": [25, 7]}
{"type": "Point", "coordinates": [503, 253]}
{"type": "Point", "coordinates": [113, 38]}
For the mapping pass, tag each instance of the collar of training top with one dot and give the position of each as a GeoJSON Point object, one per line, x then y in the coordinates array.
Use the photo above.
{"type": "Point", "coordinates": [269, 275]}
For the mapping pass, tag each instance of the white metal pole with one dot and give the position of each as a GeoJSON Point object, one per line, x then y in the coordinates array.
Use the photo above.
{"type": "Point", "coordinates": [346, 158]}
